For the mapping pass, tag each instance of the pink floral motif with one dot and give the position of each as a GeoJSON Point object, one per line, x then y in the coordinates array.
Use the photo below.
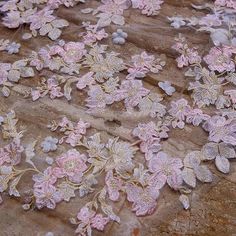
{"type": "Point", "coordinates": [142, 64]}
{"type": "Point", "coordinates": [146, 132]}
{"type": "Point", "coordinates": [168, 168]}
{"type": "Point", "coordinates": [114, 184]}
{"type": "Point", "coordinates": [99, 222]}
{"type": "Point", "coordinates": [89, 219]}
{"type": "Point", "coordinates": [47, 196]}
{"type": "Point", "coordinates": [219, 59]}
{"type": "Point", "coordinates": [92, 34]}
{"type": "Point", "coordinates": [114, 7]}
{"type": "Point", "coordinates": [232, 94]}
{"type": "Point", "coordinates": [221, 129]}
{"type": "Point", "coordinates": [85, 215]}
{"type": "Point", "coordinates": [227, 3]}
{"type": "Point", "coordinates": [4, 157]}
{"type": "Point", "coordinates": [51, 87]}
{"type": "Point", "coordinates": [14, 151]}
{"type": "Point", "coordinates": [188, 55]}
{"type": "Point", "coordinates": [72, 164]}
{"type": "Point", "coordinates": [131, 91]}
{"type": "Point", "coordinates": [73, 52]}
{"type": "Point", "coordinates": [179, 110]}
{"type": "Point", "coordinates": [47, 178]}
{"type": "Point", "coordinates": [85, 80]}
{"type": "Point", "coordinates": [196, 116]}
{"type": "Point", "coordinates": [98, 98]}
{"type": "Point", "coordinates": [144, 199]}
{"type": "Point", "coordinates": [148, 7]}
{"type": "Point", "coordinates": [41, 18]}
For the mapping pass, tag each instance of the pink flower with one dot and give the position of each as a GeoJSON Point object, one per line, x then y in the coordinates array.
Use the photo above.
{"type": "Point", "coordinates": [65, 122]}
{"type": "Point", "coordinates": [227, 3]}
{"type": "Point", "coordinates": [115, 7]}
{"type": "Point", "coordinates": [146, 132]}
{"type": "Point", "coordinates": [168, 169]}
{"type": "Point", "coordinates": [98, 222]}
{"type": "Point", "coordinates": [4, 157]}
{"type": "Point", "coordinates": [142, 64]}
{"type": "Point", "coordinates": [40, 18]}
{"type": "Point", "coordinates": [72, 164]}
{"type": "Point", "coordinates": [47, 196]}
{"type": "Point", "coordinates": [150, 147]}
{"type": "Point", "coordinates": [54, 89]}
{"type": "Point", "coordinates": [93, 34]}
{"type": "Point", "coordinates": [221, 129]}
{"type": "Point", "coordinates": [188, 55]}
{"type": "Point", "coordinates": [12, 19]}
{"type": "Point", "coordinates": [232, 94]}
{"type": "Point", "coordinates": [47, 178]}
{"type": "Point", "coordinates": [81, 127]}
{"type": "Point", "coordinates": [148, 7]}
{"type": "Point", "coordinates": [98, 98]}
{"type": "Point", "coordinates": [132, 92]}
{"type": "Point", "coordinates": [85, 215]}
{"type": "Point", "coordinates": [196, 116]}
{"type": "Point", "coordinates": [179, 109]}
{"type": "Point", "coordinates": [73, 52]}
{"type": "Point", "coordinates": [219, 59]}
{"type": "Point", "coordinates": [14, 150]}
{"type": "Point", "coordinates": [114, 184]}
{"type": "Point", "coordinates": [85, 80]}
{"type": "Point", "coordinates": [144, 199]}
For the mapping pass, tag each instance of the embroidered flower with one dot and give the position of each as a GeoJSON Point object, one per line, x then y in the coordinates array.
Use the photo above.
{"type": "Point", "coordinates": [72, 164]}
{"type": "Point", "coordinates": [98, 98]}
{"type": "Point", "coordinates": [221, 129]}
{"type": "Point", "coordinates": [179, 110]}
{"type": "Point", "coordinates": [114, 184]}
{"type": "Point", "coordinates": [47, 196]}
{"type": "Point", "coordinates": [85, 80]}
{"type": "Point", "coordinates": [188, 55]}
{"type": "Point", "coordinates": [148, 7]}
{"type": "Point", "coordinates": [45, 178]}
{"type": "Point", "coordinates": [220, 59]}
{"type": "Point", "coordinates": [142, 64]}
{"type": "Point", "coordinates": [121, 156]}
{"type": "Point", "coordinates": [85, 215]}
{"type": "Point", "coordinates": [119, 37]}
{"type": "Point", "coordinates": [131, 91]}
{"type": "Point", "coordinates": [13, 48]}
{"type": "Point", "coordinates": [49, 144]}
{"type": "Point", "coordinates": [73, 52]}
{"type": "Point", "coordinates": [99, 222]}
{"type": "Point", "coordinates": [167, 168]}
{"type": "Point", "coordinates": [143, 199]}
{"type": "Point", "coordinates": [92, 34]}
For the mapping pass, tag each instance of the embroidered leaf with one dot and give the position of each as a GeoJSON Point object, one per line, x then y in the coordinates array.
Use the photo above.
{"type": "Point", "coordinates": [222, 164]}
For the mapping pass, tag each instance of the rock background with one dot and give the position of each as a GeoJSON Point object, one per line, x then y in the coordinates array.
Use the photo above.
{"type": "Point", "coordinates": [213, 211]}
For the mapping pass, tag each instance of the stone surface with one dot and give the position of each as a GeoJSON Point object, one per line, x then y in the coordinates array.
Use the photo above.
{"type": "Point", "coordinates": [213, 206]}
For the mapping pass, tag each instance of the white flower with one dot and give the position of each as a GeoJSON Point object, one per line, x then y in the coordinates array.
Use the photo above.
{"type": "Point", "coordinates": [49, 144]}
{"type": "Point", "coordinates": [177, 21]}
{"type": "Point", "coordinates": [166, 86]}
{"type": "Point", "coordinates": [13, 48]}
